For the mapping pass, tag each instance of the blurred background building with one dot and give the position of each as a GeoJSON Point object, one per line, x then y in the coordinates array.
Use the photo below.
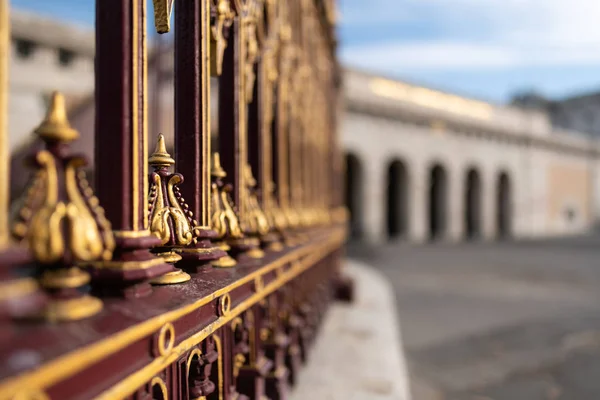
{"type": "Point", "coordinates": [422, 164]}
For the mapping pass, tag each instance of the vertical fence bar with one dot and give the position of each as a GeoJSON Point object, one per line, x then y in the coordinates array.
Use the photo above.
{"type": "Point", "coordinates": [233, 113]}
{"type": "Point", "coordinates": [4, 153]}
{"type": "Point", "coordinates": [265, 126]}
{"type": "Point", "coordinates": [255, 116]}
{"type": "Point", "coordinates": [121, 142]}
{"type": "Point", "coordinates": [192, 121]}
{"type": "Point", "coordinates": [281, 134]}
{"type": "Point", "coordinates": [235, 89]}
{"type": "Point", "coordinates": [192, 104]}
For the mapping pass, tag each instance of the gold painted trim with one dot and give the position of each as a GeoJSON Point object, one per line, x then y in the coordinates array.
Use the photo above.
{"type": "Point", "coordinates": [172, 278]}
{"type": "Point", "coordinates": [163, 387]}
{"type": "Point", "coordinates": [184, 250]}
{"type": "Point", "coordinates": [17, 288]}
{"type": "Point", "coordinates": [30, 394]}
{"type": "Point", "coordinates": [131, 234]}
{"type": "Point", "coordinates": [145, 94]}
{"type": "Point", "coordinates": [129, 265]}
{"type": "Point", "coordinates": [242, 115]}
{"type": "Point", "coordinates": [219, 347]}
{"type": "Point", "coordinates": [64, 278]}
{"type": "Point", "coordinates": [4, 154]}
{"type": "Point", "coordinates": [72, 309]}
{"type": "Point", "coordinates": [195, 353]}
{"type": "Point", "coordinates": [205, 194]}
{"type": "Point", "coordinates": [166, 339]}
{"type": "Point", "coordinates": [66, 365]}
{"type": "Point", "coordinates": [225, 304]}
{"type": "Point", "coordinates": [135, 116]}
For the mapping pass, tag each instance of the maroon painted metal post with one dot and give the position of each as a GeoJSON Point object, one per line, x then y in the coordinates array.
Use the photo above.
{"type": "Point", "coordinates": [192, 122]}
{"type": "Point", "coordinates": [282, 121]}
{"type": "Point", "coordinates": [232, 116]}
{"type": "Point", "coordinates": [255, 140]}
{"type": "Point", "coordinates": [121, 145]}
{"type": "Point", "coordinates": [234, 83]}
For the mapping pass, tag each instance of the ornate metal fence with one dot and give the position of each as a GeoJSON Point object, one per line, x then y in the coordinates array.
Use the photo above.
{"type": "Point", "coordinates": [149, 286]}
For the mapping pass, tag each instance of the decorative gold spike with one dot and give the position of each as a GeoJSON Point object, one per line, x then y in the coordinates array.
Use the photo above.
{"type": "Point", "coordinates": [160, 157]}
{"type": "Point", "coordinates": [55, 126]}
{"type": "Point", "coordinates": [256, 221]}
{"type": "Point", "coordinates": [62, 221]}
{"type": "Point", "coordinates": [162, 15]}
{"type": "Point", "coordinates": [224, 220]}
{"type": "Point", "coordinates": [169, 215]}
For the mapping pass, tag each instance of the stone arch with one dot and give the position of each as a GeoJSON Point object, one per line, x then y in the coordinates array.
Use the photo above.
{"type": "Point", "coordinates": [503, 206]}
{"type": "Point", "coordinates": [354, 194]}
{"type": "Point", "coordinates": [473, 204]}
{"type": "Point", "coordinates": [397, 202]}
{"type": "Point", "coordinates": [438, 201]}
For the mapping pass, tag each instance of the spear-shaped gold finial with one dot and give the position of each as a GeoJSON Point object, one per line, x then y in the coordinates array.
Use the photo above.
{"type": "Point", "coordinates": [55, 126]}
{"type": "Point", "coordinates": [160, 157]}
{"type": "Point", "coordinates": [162, 15]}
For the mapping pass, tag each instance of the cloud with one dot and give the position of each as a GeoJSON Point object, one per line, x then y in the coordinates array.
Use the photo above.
{"type": "Point", "coordinates": [361, 13]}
{"type": "Point", "coordinates": [480, 34]}
{"type": "Point", "coordinates": [463, 55]}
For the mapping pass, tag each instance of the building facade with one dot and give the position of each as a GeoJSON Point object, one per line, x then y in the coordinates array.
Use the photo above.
{"type": "Point", "coordinates": [45, 56]}
{"type": "Point", "coordinates": [424, 164]}
{"type": "Point", "coordinates": [421, 164]}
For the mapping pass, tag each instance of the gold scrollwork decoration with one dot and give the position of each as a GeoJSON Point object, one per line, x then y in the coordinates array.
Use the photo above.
{"type": "Point", "coordinates": [239, 358]}
{"type": "Point", "coordinates": [221, 20]}
{"type": "Point", "coordinates": [61, 220]}
{"type": "Point", "coordinates": [170, 218]}
{"type": "Point", "coordinates": [166, 339]}
{"type": "Point", "coordinates": [256, 221]}
{"type": "Point", "coordinates": [225, 305]}
{"type": "Point", "coordinates": [157, 381]}
{"type": "Point", "coordinates": [88, 236]}
{"type": "Point", "coordinates": [250, 27]}
{"type": "Point", "coordinates": [219, 348]}
{"type": "Point", "coordinates": [194, 353]}
{"type": "Point", "coordinates": [224, 219]}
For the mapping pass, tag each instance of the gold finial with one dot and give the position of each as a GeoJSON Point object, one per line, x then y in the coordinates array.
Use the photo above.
{"type": "Point", "coordinates": [55, 126]}
{"type": "Point", "coordinates": [162, 15]}
{"type": "Point", "coordinates": [216, 169]}
{"type": "Point", "coordinates": [160, 157]}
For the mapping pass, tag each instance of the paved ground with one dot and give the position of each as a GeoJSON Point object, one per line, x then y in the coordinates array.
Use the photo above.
{"type": "Point", "coordinates": [511, 321]}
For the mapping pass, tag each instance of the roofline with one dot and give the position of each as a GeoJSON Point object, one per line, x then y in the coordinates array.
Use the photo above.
{"type": "Point", "coordinates": [52, 32]}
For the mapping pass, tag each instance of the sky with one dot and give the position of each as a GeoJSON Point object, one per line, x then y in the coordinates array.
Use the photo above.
{"type": "Point", "coordinates": [488, 49]}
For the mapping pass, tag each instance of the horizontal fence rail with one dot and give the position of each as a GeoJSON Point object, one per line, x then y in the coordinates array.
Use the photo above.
{"type": "Point", "coordinates": [202, 274]}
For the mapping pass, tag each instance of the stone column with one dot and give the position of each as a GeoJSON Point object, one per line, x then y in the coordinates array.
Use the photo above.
{"type": "Point", "coordinates": [489, 204]}
{"type": "Point", "coordinates": [455, 204]}
{"type": "Point", "coordinates": [419, 202]}
{"type": "Point", "coordinates": [373, 200]}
